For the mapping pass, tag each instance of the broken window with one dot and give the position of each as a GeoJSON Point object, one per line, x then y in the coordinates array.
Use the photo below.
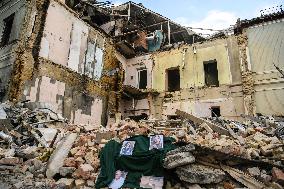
{"type": "Point", "coordinates": [215, 111]}
{"type": "Point", "coordinates": [8, 23]}
{"type": "Point", "coordinates": [142, 79]}
{"type": "Point", "coordinates": [173, 80]}
{"type": "Point", "coordinates": [211, 73]}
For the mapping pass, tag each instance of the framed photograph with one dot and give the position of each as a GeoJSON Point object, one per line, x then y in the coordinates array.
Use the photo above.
{"type": "Point", "coordinates": [127, 148]}
{"type": "Point", "coordinates": [157, 142]}
{"type": "Point", "coordinates": [152, 182]}
{"type": "Point", "coordinates": [118, 180]}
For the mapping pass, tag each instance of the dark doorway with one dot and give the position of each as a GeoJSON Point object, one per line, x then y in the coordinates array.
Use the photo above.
{"type": "Point", "coordinates": [215, 111]}
{"type": "Point", "coordinates": [211, 73]}
{"type": "Point", "coordinates": [173, 80]}
{"type": "Point", "coordinates": [142, 76]}
{"type": "Point", "coordinates": [8, 23]}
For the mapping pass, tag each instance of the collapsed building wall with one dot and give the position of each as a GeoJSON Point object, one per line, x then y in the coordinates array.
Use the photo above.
{"type": "Point", "coordinates": [138, 74]}
{"type": "Point", "coordinates": [198, 79]}
{"type": "Point", "coordinates": [209, 78]}
{"type": "Point", "coordinates": [11, 16]}
{"type": "Point", "coordinates": [67, 64]}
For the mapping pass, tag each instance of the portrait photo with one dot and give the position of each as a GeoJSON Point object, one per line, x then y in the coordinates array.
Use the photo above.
{"type": "Point", "coordinates": [156, 142]}
{"type": "Point", "coordinates": [152, 182]}
{"type": "Point", "coordinates": [127, 148]}
{"type": "Point", "coordinates": [118, 180]}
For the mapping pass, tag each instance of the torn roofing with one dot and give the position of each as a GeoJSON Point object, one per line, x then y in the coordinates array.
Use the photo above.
{"type": "Point", "coordinates": [143, 18]}
{"type": "Point", "coordinates": [258, 20]}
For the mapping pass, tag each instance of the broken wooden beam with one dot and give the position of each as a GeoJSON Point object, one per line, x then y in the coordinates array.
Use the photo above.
{"type": "Point", "coordinates": [198, 120]}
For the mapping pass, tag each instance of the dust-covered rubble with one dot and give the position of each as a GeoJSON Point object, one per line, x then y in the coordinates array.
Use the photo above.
{"type": "Point", "coordinates": [40, 149]}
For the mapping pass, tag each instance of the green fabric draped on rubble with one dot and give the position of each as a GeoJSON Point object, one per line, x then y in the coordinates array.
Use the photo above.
{"type": "Point", "coordinates": [142, 161]}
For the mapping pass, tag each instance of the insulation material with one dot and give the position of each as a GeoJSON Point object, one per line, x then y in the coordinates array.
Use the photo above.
{"type": "Point", "coordinates": [99, 64]}
{"type": "Point", "coordinates": [154, 42]}
{"type": "Point", "coordinates": [78, 29]}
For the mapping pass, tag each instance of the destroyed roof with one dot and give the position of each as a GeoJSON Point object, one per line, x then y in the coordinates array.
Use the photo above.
{"type": "Point", "coordinates": [276, 15]}
{"type": "Point", "coordinates": [144, 18]}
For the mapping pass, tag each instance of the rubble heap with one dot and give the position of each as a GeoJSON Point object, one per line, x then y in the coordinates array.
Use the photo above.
{"type": "Point", "coordinates": [39, 149]}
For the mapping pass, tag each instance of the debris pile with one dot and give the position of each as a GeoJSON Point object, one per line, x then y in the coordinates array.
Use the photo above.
{"type": "Point", "coordinates": [250, 152]}
{"type": "Point", "coordinates": [39, 149]}
{"type": "Point", "coordinates": [29, 132]}
{"type": "Point", "coordinates": [249, 139]}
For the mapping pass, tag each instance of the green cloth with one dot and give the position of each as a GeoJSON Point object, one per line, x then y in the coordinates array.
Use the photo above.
{"type": "Point", "coordinates": [142, 161]}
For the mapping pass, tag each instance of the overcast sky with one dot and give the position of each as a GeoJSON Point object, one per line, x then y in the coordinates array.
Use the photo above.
{"type": "Point", "coordinates": [214, 14]}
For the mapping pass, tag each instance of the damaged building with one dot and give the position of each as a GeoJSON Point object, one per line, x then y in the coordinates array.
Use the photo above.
{"type": "Point", "coordinates": [137, 63]}
{"type": "Point", "coordinates": [101, 96]}
{"type": "Point", "coordinates": [54, 59]}
{"type": "Point", "coordinates": [231, 74]}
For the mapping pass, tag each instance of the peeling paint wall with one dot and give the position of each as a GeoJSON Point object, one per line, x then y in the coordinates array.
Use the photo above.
{"type": "Point", "coordinates": [50, 66]}
{"type": "Point", "coordinates": [199, 101]}
{"type": "Point", "coordinates": [193, 97]}
{"type": "Point", "coordinates": [265, 48]}
{"type": "Point", "coordinates": [7, 54]}
{"type": "Point", "coordinates": [133, 65]}
{"type": "Point", "coordinates": [83, 99]}
{"type": "Point", "coordinates": [191, 65]}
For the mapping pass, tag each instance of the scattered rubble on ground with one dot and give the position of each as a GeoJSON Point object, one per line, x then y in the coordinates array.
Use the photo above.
{"type": "Point", "coordinates": [39, 149]}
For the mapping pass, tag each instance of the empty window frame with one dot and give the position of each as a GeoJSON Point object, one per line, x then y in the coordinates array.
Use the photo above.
{"type": "Point", "coordinates": [173, 117]}
{"type": "Point", "coordinates": [211, 73]}
{"type": "Point", "coordinates": [8, 23]}
{"type": "Point", "coordinates": [142, 79]}
{"type": "Point", "coordinates": [215, 111]}
{"type": "Point", "coordinates": [172, 80]}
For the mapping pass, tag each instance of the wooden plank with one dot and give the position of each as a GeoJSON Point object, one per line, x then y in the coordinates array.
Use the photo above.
{"type": "Point", "coordinates": [198, 120]}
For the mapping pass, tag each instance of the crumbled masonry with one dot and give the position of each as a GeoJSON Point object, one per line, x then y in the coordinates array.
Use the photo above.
{"type": "Point", "coordinates": [71, 157]}
{"type": "Point", "coordinates": [95, 95]}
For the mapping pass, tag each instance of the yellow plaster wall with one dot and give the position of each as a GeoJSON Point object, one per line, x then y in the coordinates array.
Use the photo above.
{"type": "Point", "coordinates": [192, 74]}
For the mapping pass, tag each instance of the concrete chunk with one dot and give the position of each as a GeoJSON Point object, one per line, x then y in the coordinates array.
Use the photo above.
{"type": "Point", "coordinates": [57, 158]}
{"type": "Point", "coordinates": [200, 174]}
{"type": "Point", "coordinates": [179, 159]}
{"type": "Point", "coordinates": [10, 161]}
{"type": "Point", "coordinates": [65, 182]}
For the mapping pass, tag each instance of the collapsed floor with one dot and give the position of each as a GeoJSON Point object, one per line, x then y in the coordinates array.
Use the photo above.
{"type": "Point", "coordinates": [39, 149]}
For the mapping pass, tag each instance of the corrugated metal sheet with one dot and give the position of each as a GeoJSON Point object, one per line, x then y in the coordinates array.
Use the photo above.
{"type": "Point", "coordinates": [270, 102]}
{"type": "Point", "coordinates": [266, 44]}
